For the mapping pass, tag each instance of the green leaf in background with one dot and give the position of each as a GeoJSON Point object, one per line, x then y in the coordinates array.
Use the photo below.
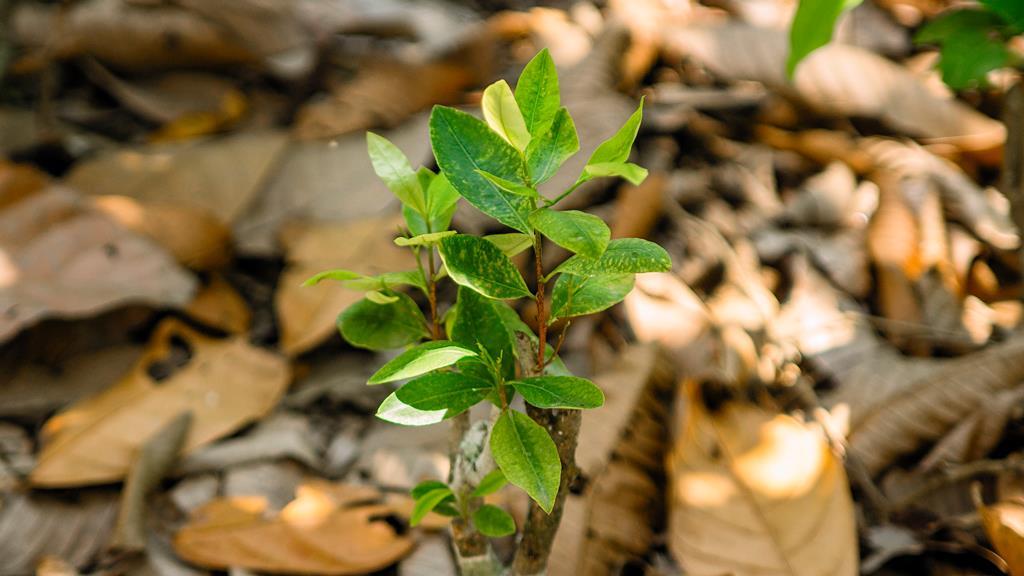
{"type": "Point", "coordinates": [424, 239]}
{"type": "Point", "coordinates": [812, 28]}
{"type": "Point", "coordinates": [382, 326]}
{"type": "Point", "coordinates": [509, 186]}
{"type": "Point", "coordinates": [616, 148]}
{"type": "Point", "coordinates": [559, 392]}
{"type": "Point", "coordinates": [969, 51]}
{"type": "Point", "coordinates": [547, 152]}
{"type": "Point", "coordinates": [478, 264]}
{"type": "Point", "coordinates": [573, 230]}
{"type": "Point", "coordinates": [355, 281]}
{"type": "Point", "coordinates": [462, 145]}
{"type": "Point", "coordinates": [633, 173]}
{"type": "Point", "coordinates": [528, 457]}
{"type": "Point", "coordinates": [510, 244]}
{"type": "Point", "coordinates": [1012, 11]}
{"type": "Point", "coordinates": [491, 483]}
{"type": "Point", "coordinates": [450, 391]}
{"type": "Point", "coordinates": [427, 502]}
{"type": "Point", "coordinates": [503, 115]}
{"type": "Point", "coordinates": [493, 522]}
{"type": "Point", "coordinates": [393, 168]}
{"type": "Point", "coordinates": [581, 295]}
{"type": "Point", "coordinates": [420, 360]}
{"type": "Point", "coordinates": [479, 319]}
{"type": "Point", "coordinates": [397, 412]}
{"type": "Point", "coordinates": [625, 255]}
{"type": "Point", "coordinates": [537, 93]}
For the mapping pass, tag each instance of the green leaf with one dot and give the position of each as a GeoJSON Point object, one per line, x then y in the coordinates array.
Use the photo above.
{"type": "Point", "coordinates": [378, 297]}
{"type": "Point", "coordinates": [625, 255]}
{"type": "Point", "coordinates": [339, 275]}
{"type": "Point", "coordinates": [441, 202]}
{"type": "Point", "coordinates": [424, 239]}
{"type": "Point", "coordinates": [422, 488]}
{"type": "Point", "coordinates": [1012, 11]}
{"type": "Point", "coordinates": [397, 412]}
{"type": "Point", "coordinates": [812, 28]}
{"type": "Point", "coordinates": [546, 153]}
{"type": "Point", "coordinates": [634, 174]}
{"type": "Point", "coordinates": [393, 168]}
{"type": "Point", "coordinates": [478, 264]}
{"type": "Point", "coordinates": [503, 115]}
{"type": "Point", "coordinates": [450, 391]}
{"type": "Point", "coordinates": [426, 503]}
{"type": "Point", "coordinates": [510, 244]}
{"type": "Point", "coordinates": [491, 483]}
{"type": "Point", "coordinates": [968, 49]}
{"type": "Point", "coordinates": [559, 392]}
{"type": "Point", "coordinates": [462, 145]}
{"type": "Point", "coordinates": [509, 186]}
{"type": "Point", "coordinates": [355, 281]}
{"type": "Point", "coordinates": [528, 457]}
{"type": "Point", "coordinates": [381, 326]}
{"type": "Point", "coordinates": [420, 360]}
{"type": "Point", "coordinates": [581, 295]}
{"type": "Point", "coordinates": [493, 522]}
{"type": "Point", "coordinates": [479, 319]}
{"type": "Point", "coordinates": [537, 93]}
{"type": "Point", "coordinates": [616, 148]}
{"type": "Point", "coordinates": [573, 230]}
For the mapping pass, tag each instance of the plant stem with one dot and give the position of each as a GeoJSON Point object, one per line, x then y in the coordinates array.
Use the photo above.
{"type": "Point", "coordinates": [435, 322]}
{"type": "Point", "coordinates": [542, 314]}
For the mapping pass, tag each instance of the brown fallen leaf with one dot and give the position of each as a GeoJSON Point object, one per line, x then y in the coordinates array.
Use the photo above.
{"type": "Point", "coordinates": [218, 175]}
{"type": "Point", "coordinates": [323, 531]}
{"type": "Point", "coordinates": [757, 492]}
{"type": "Point", "coordinates": [61, 258]}
{"type": "Point", "coordinates": [224, 383]}
{"type": "Point", "coordinates": [219, 305]}
{"type": "Point", "coordinates": [821, 146]}
{"type": "Point", "coordinates": [1004, 524]}
{"type": "Point", "coordinates": [308, 314]}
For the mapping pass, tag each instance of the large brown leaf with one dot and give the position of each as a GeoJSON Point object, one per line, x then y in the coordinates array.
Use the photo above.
{"type": "Point", "coordinates": [754, 492]}
{"type": "Point", "coordinates": [225, 384]}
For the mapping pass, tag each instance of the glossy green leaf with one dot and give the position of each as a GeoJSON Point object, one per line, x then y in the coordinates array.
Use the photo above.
{"type": "Point", "coordinates": [616, 148]}
{"type": "Point", "coordinates": [450, 391]}
{"type": "Point", "coordinates": [479, 319]}
{"type": "Point", "coordinates": [546, 153]}
{"type": "Point", "coordinates": [573, 230]}
{"type": "Point", "coordinates": [397, 412]}
{"type": "Point", "coordinates": [510, 244]}
{"type": "Point", "coordinates": [379, 297]}
{"type": "Point", "coordinates": [634, 174]}
{"type": "Point", "coordinates": [537, 93]}
{"type": "Point", "coordinates": [509, 186]}
{"type": "Point", "coordinates": [422, 488]}
{"type": "Point", "coordinates": [420, 360]}
{"type": "Point", "coordinates": [382, 326]}
{"type": "Point", "coordinates": [559, 392]}
{"type": "Point", "coordinates": [503, 115]}
{"type": "Point", "coordinates": [355, 281]}
{"type": "Point", "coordinates": [581, 295]}
{"type": "Point", "coordinates": [426, 503]}
{"type": "Point", "coordinates": [490, 484]}
{"type": "Point", "coordinates": [970, 46]}
{"type": "Point", "coordinates": [623, 256]}
{"type": "Point", "coordinates": [442, 199]}
{"type": "Point", "coordinates": [339, 275]}
{"type": "Point", "coordinates": [493, 522]}
{"type": "Point", "coordinates": [478, 264]}
{"type": "Point", "coordinates": [812, 28]}
{"type": "Point", "coordinates": [526, 454]}
{"type": "Point", "coordinates": [462, 145]}
{"type": "Point", "coordinates": [428, 239]}
{"type": "Point", "coordinates": [393, 168]}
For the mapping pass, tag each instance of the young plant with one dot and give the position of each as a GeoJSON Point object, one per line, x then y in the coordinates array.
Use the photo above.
{"type": "Point", "coordinates": [479, 350]}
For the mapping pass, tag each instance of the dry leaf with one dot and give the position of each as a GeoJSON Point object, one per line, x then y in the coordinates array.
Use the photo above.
{"type": "Point", "coordinates": [60, 258]}
{"type": "Point", "coordinates": [225, 384]}
{"type": "Point", "coordinates": [1004, 524]}
{"type": "Point", "coordinates": [756, 492]}
{"type": "Point", "coordinates": [308, 314]}
{"type": "Point", "coordinates": [322, 531]}
{"type": "Point", "coordinates": [219, 305]}
{"type": "Point", "coordinates": [219, 175]}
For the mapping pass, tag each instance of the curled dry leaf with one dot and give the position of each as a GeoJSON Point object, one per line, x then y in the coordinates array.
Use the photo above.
{"type": "Point", "coordinates": [225, 384]}
{"type": "Point", "coordinates": [308, 314]}
{"type": "Point", "coordinates": [60, 258]}
{"type": "Point", "coordinates": [324, 530]}
{"type": "Point", "coordinates": [757, 492]}
{"type": "Point", "coordinates": [1004, 525]}
{"type": "Point", "coordinates": [839, 80]}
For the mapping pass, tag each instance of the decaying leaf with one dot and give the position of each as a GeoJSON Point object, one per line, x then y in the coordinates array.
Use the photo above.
{"type": "Point", "coordinates": [225, 384]}
{"type": "Point", "coordinates": [757, 492]}
{"type": "Point", "coordinates": [322, 531]}
{"type": "Point", "coordinates": [62, 259]}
